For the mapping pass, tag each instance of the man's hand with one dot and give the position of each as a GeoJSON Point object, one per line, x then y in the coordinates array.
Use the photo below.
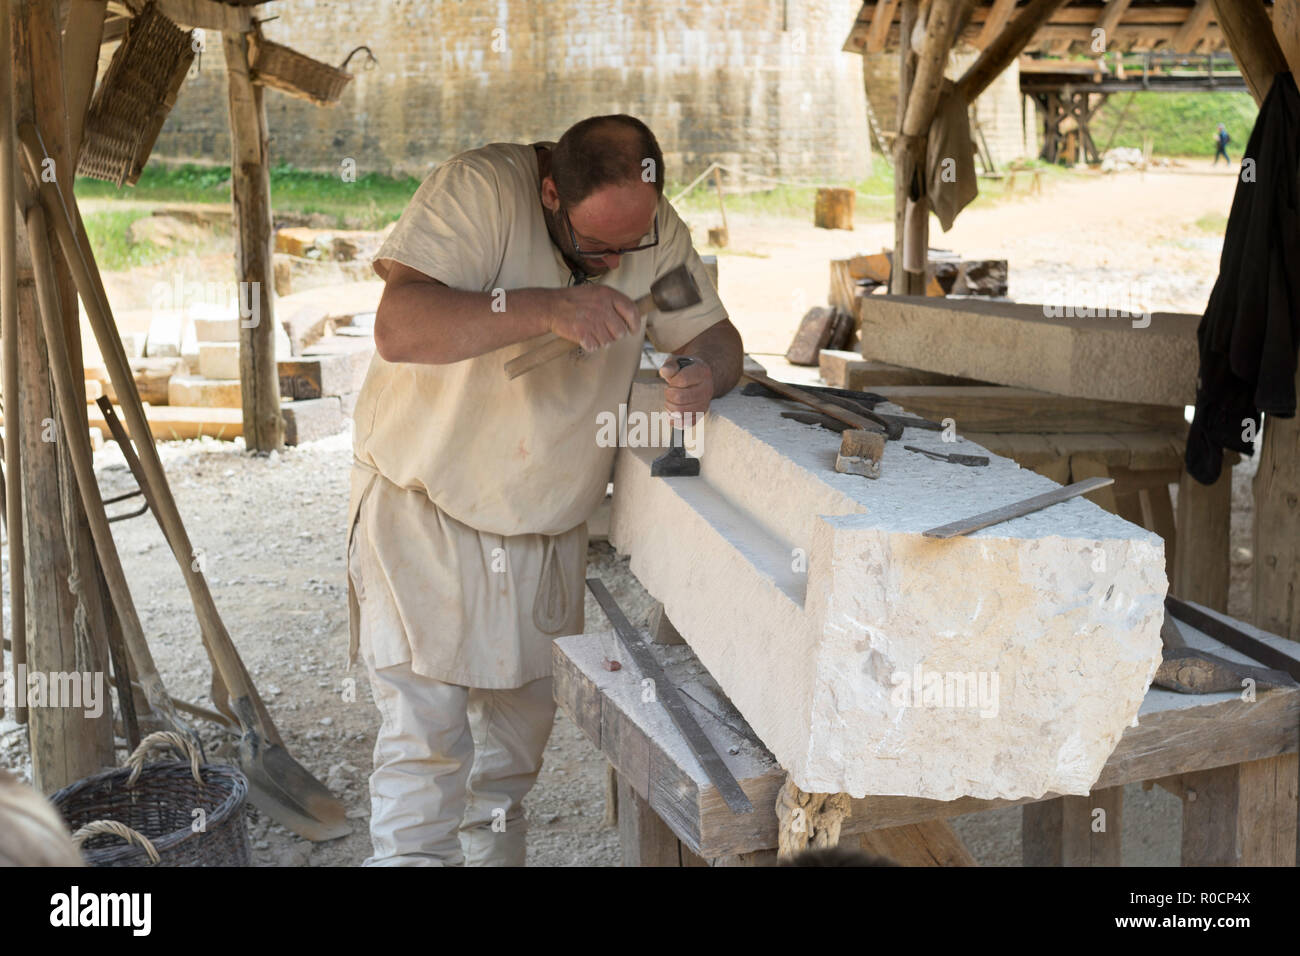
{"type": "Point", "coordinates": [689, 390]}
{"type": "Point", "coordinates": [593, 316]}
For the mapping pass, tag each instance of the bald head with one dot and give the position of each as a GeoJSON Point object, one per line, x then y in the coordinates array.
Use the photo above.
{"type": "Point", "coordinates": [616, 150]}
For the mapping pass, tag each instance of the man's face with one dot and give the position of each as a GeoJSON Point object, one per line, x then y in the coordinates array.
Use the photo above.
{"type": "Point", "coordinates": [614, 217]}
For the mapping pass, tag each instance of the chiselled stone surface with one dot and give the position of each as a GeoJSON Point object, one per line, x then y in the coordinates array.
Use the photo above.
{"type": "Point", "coordinates": [873, 660]}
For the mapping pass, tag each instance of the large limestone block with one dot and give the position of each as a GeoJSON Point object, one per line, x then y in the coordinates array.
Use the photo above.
{"type": "Point", "coordinates": [829, 620]}
{"type": "Point", "coordinates": [1105, 358]}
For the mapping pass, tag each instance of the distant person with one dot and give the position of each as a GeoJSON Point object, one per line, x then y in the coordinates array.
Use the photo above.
{"type": "Point", "coordinates": [1221, 141]}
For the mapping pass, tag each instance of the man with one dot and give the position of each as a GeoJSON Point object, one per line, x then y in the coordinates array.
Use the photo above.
{"type": "Point", "coordinates": [470, 494]}
{"type": "Point", "coordinates": [1221, 140]}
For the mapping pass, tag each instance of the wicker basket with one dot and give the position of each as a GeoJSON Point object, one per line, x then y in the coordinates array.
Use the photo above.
{"type": "Point", "coordinates": [281, 68]}
{"type": "Point", "coordinates": [133, 99]}
{"type": "Point", "coordinates": [153, 809]}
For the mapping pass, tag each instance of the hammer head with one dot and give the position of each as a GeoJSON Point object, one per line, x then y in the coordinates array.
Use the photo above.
{"type": "Point", "coordinates": [675, 290]}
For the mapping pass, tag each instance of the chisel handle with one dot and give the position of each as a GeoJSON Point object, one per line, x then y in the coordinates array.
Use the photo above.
{"type": "Point", "coordinates": [555, 346]}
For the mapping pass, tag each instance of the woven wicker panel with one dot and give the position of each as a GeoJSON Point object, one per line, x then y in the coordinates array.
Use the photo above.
{"type": "Point", "coordinates": [133, 99]}
{"type": "Point", "coordinates": [297, 74]}
{"type": "Point", "coordinates": [160, 805]}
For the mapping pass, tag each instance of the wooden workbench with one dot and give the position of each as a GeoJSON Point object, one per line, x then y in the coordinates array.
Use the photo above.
{"type": "Point", "coordinates": [1232, 762]}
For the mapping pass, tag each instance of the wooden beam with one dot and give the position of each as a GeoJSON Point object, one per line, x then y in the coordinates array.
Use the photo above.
{"type": "Point", "coordinates": [1109, 19]}
{"type": "Point", "coordinates": [941, 25]}
{"type": "Point", "coordinates": [1201, 565]}
{"type": "Point", "coordinates": [1004, 49]}
{"type": "Point", "coordinates": [881, 19]}
{"type": "Point", "coordinates": [1254, 47]}
{"type": "Point", "coordinates": [1241, 815]}
{"type": "Point", "coordinates": [1074, 831]}
{"type": "Point", "coordinates": [1003, 408]}
{"type": "Point", "coordinates": [645, 839]}
{"type": "Point", "coordinates": [930, 843]}
{"type": "Point", "coordinates": [66, 745]}
{"type": "Point", "coordinates": [81, 41]}
{"type": "Point", "coordinates": [997, 17]}
{"type": "Point", "coordinates": [208, 15]}
{"type": "Point", "coordinates": [901, 282]}
{"type": "Point", "coordinates": [250, 187]}
{"type": "Point", "coordinates": [1193, 29]}
{"type": "Point", "coordinates": [1286, 27]}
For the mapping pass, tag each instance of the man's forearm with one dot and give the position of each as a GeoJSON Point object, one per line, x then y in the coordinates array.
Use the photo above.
{"type": "Point", "coordinates": [721, 348]}
{"type": "Point", "coordinates": [431, 324]}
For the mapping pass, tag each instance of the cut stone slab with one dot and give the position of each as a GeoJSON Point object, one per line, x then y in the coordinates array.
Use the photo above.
{"type": "Point", "coordinates": [840, 369]}
{"type": "Point", "coordinates": [326, 370]}
{"type": "Point", "coordinates": [219, 359]}
{"type": "Point", "coordinates": [203, 392]}
{"type": "Point", "coordinates": [844, 636]}
{"type": "Point", "coordinates": [152, 376]}
{"type": "Point", "coordinates": [312, 419]}
{"type": "Point", "coordinates": [1015, 344]}
{"type": "Point", "coordinates": [308, 316]}
{"type": "Point", "coordinates": [166, 335]}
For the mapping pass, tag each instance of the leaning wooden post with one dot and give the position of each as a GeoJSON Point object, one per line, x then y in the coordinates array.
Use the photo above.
{"type": "Point", "coordinates": [250, 190]}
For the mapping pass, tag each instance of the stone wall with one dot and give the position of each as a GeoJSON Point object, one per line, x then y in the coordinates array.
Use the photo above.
{"type": "Point", "coordinates": [757, 83]}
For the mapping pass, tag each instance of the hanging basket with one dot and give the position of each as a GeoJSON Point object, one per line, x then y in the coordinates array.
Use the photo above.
{"type": "Point", "coordinates": [284, 69]}
{"type": "Point", "coordinates": [152, 809]}
{"type": "Point", "coordinates": [134, 97]}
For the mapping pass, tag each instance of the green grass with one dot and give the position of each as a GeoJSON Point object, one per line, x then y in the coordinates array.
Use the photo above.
{"type": "Point", "coordinates": [114, 250]}
{"type": "Point", "coordinates": [1179, 124]}
{"type": "Point", "coordinates": [1213, 222]}
{"type": "Point", "coordinates": [371, 202]}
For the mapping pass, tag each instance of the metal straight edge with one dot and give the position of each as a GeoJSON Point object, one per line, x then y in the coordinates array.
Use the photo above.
{"type": "Point", "coordinates": [1018, 509]}
{"type": "Point", "coordinates": [668, 695]}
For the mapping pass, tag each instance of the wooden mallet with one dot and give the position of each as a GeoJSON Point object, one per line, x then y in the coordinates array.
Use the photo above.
{"type": "Point", "coordinates": [671, 292]}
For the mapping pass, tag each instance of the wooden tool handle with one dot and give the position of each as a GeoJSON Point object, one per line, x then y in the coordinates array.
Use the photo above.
{"type": "Point", "coordinates": [552, 349]}
{"type": "Point", "coordinates": [806, 398]}
{"type": "Point", "coordinates": [555, 346]}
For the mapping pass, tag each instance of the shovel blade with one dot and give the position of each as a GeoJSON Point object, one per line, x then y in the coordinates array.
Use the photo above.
{"type": "Point", "coordinates": [286, 792]}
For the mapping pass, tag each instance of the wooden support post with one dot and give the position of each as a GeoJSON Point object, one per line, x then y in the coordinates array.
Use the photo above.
{"type": "Point", "coordinates": [1074, 831]}
{"type": "Point", "coordinates": [1241, 815]}
{"type": "Point", "coordinates": [66, 744]}
{"type": "Point", "coordinates": [1201, 560]}
{"type": "Point", "coordinates": [904, 156]}
{"type": "Point", "coordinates": [1259, 53]}
{"type": "Point", "coordinates": [1005, 47]}
{"type": "Point", "coordinates": [646, 839]}
{"type": "Point", "coordinates": [250, 188]}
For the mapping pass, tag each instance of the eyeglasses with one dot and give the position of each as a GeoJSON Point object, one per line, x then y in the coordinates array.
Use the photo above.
{"type": "Point", "coordinates": [573, 237]}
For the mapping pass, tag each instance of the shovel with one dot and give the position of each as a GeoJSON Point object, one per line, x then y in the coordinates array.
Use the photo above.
{"type": "Point", "coordinates": [278, 785]}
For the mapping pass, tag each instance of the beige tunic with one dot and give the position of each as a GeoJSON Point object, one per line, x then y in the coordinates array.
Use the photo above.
{"type": "Point", "coordinates": [472, 462]}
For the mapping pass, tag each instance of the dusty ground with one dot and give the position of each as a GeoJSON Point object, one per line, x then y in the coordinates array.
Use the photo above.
{"type": "Point", "coordinates": [271, 528]}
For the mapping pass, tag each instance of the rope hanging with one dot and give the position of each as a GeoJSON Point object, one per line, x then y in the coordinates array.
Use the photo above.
{"type": "Point", "coordinates": [808, 819]}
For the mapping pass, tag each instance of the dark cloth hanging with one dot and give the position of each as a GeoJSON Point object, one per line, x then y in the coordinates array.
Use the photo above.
{"type": "Point", "coordinates": [1250, 332]}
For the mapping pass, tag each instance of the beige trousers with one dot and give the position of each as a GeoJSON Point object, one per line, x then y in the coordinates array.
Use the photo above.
{"type": "Point", "coordinates": [452, 767]}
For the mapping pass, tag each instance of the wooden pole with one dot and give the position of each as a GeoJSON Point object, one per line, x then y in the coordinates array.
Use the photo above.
{"type": "Point", "coordinates": [1259, 54]}
{"type": "Point", "coordinates": [922, 96]}
{"type": "Point", "coordinates": [904, 156]}
{"type": "Point", "coordinates": [9, 334]}
{"type": "Point", "coordinates": [66, 743]}
{"type": "Point", "coordinates": [250, 188]}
